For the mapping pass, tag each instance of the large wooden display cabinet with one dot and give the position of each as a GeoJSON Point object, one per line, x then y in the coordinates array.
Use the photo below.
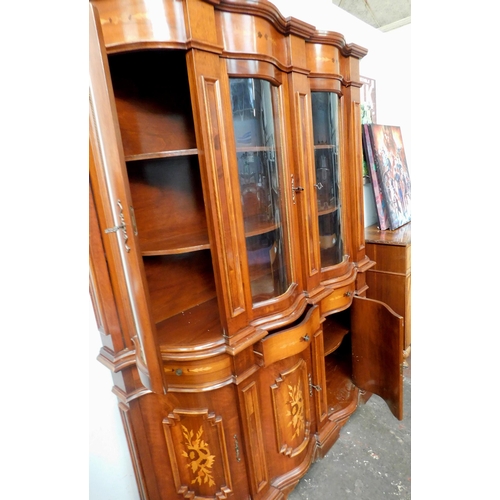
{"type": "Point", "coordinates": [227, 254]}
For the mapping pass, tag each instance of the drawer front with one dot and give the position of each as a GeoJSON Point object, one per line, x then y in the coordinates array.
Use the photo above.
{"type": "Point", "coordinates": [390, 258]}
{"type": "Point", "coordinates": [199, 374]}
{"type": "Point", "coordinates": [338, 300]}
{"type": "Point", "coordinates": [286, 343]}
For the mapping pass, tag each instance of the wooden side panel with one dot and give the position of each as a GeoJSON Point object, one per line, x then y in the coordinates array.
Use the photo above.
{"type": "Point", "coordinates": [252, 424]}
{"type": "Point", "coordinates": [377, 351]}
{"type": "Point", "coordinates": [101, 291]}
{"type": "Point", "coordinates": [352, 161]}
{"type": "Point", "coordinates": [301, 118]}
{"type": "Point", "coordinates": [139, 452]}
{"type": "Point", "coordinates": [319, 377]}
{"type": "Point", "coordinates": [210, 96]}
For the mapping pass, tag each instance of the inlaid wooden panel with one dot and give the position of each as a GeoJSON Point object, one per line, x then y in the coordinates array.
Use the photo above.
{"type": "Point", "coordinates": [291, 407]}
{"type": "Point", "coordinates": [198, 454]}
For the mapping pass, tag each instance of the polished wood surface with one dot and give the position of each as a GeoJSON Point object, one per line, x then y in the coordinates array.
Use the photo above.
{"type": "Point", "coordinates": [390, 278]}
{"type": "Point", "coordinates": [377, 347]}
{"type": "Point", "coordinates": [227, 390]}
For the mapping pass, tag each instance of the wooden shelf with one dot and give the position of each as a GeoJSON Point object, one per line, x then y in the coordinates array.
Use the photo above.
{"type": "Point", "coordinates": [254, 149]}
{"type": "Point", "coordinates": [176, 244]}
{"type": "Point", "coordinates": [333, 335]}
{"type": "Point", "coordinates": [327, 211]}
{"type": "Point", "coordinates": [194, 329]}
{"type": "Point", "coordinates": [162, 154]}
{"type": "Point", "coordinates": [255, 226]}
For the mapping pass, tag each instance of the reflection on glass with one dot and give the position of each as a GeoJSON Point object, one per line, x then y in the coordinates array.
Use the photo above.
{"type": "Point", "coordinates": [326, 155]}
{"type": "Point", "coordinates": [260, 184]}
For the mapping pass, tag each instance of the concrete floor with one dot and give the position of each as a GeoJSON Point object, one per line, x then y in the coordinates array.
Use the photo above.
{"type": "Point", "coordinates": [370, 460]}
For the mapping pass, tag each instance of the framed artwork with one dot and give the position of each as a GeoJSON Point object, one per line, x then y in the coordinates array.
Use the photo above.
{"type": "Point", "coordinates": [380, 202]}
{"type": "Point", "coordinates": [391, 173]}
{"type": "Point", "coordinates": [368, 100]}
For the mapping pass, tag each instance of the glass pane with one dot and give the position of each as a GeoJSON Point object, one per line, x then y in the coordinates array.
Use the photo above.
{"type": "Point", "coordinates": [254, 118]}
{"type": "Point", "coordinates": [326, 155]}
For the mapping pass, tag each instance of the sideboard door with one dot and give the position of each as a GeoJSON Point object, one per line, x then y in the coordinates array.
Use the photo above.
{"type": "Point", "coordinates": [377, 351]}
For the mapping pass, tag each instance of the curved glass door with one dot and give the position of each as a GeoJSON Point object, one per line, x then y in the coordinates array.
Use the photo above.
{"type": "Point", "coordinates": [326, 155]}
{"type": "Point", "coordinates": [256, 132]}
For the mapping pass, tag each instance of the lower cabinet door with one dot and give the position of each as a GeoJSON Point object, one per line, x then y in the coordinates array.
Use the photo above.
{"type": "Point", "coordinates": [203, 440]}
{"type": "Point", "coordinates": [377, 351]}
{"type": "Point", "coordinates": [285, 384]}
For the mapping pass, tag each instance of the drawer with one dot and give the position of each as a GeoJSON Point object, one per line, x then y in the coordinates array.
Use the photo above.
{"type": "Point", "coordinates": [293, 340]}
{"type": "Point", "coordinates": [390, 258]}
{"type": "Point", "coordinates": [198, 374]}
{"type": "Point", "coordinates": [338, 300]}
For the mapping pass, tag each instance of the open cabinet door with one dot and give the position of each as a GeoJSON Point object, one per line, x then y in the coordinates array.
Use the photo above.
{"type": "Point", "coordinates": [377, 351]}
{"type": "Point", "coordinates": [114, 210]}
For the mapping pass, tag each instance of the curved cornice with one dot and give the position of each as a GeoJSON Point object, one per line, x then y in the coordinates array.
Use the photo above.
{"type": "Point", "coordinates": [268, 11]}
{"type": "Point", "coordinates": [338, 40]}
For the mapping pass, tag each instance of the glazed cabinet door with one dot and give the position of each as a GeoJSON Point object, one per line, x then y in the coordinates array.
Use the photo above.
{"type": "Point", "coordinates": [325, 110]}
{"type": "Point", "coordinates": [257, 121]}
{"type": "Point", "coordinates": [377, 351]}
{"type": "Point", "coordinates": [256, 56]}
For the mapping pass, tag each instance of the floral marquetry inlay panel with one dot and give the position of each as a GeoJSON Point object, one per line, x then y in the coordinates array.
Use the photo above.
{"type": "Point", "coordinates": [197, 449]}
{"type": "Point", "coordinates": [291, 408]}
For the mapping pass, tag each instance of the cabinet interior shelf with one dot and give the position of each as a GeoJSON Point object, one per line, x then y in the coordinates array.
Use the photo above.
{"type": "Point", "coordinates": [324, 146]}
{"type": "Point", "coordinates": [161, 154]}
{"type": "Point", "coordinates": [194, 329]}
{"type": "Point", "coordinates": [176, 244]}
{"type": "Point", "coordinates": [255, 226]}
{"type": "Point", "coordinates": [333, 336]}
{"type": "Point", "coordinates": [254, 149]}
{"type": "Point", "coordinates": [327, 211]}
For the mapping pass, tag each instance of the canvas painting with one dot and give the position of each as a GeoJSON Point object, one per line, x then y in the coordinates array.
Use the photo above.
{"type": "Point", "coordinates": [392, 172]}
{"type": "Point", "coordinates": [380, 202]}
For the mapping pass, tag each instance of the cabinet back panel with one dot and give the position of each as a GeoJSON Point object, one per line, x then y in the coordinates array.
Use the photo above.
{"type": "Point", "coordinates": [152, 99]}
{"type": "Point", "coordinates": [179, 282]}
{"type": "Point", "coordinates": [168, 203]}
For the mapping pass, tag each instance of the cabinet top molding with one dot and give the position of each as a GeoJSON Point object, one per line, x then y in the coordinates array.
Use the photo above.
{"type": "Point", "coordinates": [132, 24]}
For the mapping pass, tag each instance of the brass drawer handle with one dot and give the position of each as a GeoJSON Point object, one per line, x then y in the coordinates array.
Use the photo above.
{"type": "Point", "coordinates": [347, 294]}
{"type": "Point", "coordinates": [306, 338]}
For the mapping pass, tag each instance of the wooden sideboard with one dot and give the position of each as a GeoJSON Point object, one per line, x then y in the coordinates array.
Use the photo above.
{"type": "Point", "coordinates": [390, 279]}
{"type": "Point", "coordinates": [228, 270]}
